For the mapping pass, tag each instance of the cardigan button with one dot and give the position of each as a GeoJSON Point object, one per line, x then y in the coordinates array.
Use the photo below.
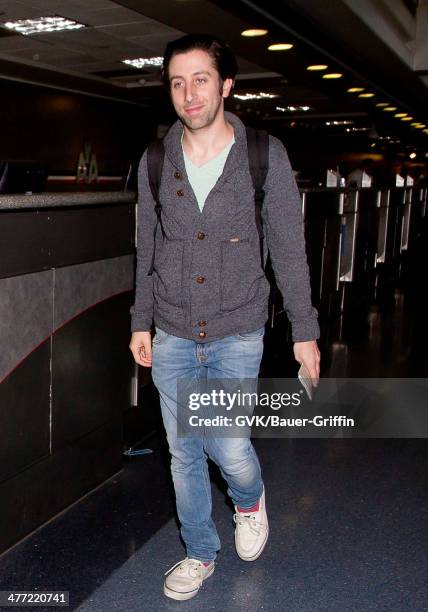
{"type": "Point", "coordinates": [180, 193]}
{"type": "Point", "coordinates": [202, 334]}
{"type": "Point", "coordinates": [201, 235]}
{"type": "Point", "coordinates": [177, 174]}
{"type": "Point", "coordinates": [202, 323]}
{"type": "Point", "coordinates": [200, 279]}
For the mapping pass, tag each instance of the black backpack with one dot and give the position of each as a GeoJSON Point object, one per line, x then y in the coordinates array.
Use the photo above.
{"type": "Point", "coordinates": [258, 158]}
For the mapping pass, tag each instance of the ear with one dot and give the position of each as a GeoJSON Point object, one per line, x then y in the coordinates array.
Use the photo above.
{"type": "Point", "coordinates": [227, 87]}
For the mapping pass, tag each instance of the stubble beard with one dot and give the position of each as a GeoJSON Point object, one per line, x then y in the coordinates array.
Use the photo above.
{"type": "Point", "coordinates": [203, 121]}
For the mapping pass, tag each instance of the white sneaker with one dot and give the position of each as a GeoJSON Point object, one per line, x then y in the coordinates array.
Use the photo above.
{"type": "Point", "coordinates": [251, 532]}
{"type": "Point", "coordinates": [184, 579]}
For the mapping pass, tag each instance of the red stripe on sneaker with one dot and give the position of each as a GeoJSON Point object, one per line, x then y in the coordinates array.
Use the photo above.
{"type": "Point", "coordinates": [254, 508]}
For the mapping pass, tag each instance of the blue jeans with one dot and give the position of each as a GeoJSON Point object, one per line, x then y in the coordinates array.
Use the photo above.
{"type": "Point", "coordinates": [236, 357]}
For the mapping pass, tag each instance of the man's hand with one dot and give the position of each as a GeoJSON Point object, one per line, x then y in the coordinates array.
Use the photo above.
{"type": "Point", "coordinates": [141, 348]}
{"type": "Point", "coordinates": [307, 354]}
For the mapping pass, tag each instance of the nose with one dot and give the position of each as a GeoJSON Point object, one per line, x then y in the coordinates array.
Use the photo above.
{"type": "Point", "coordinates": [188, 92]}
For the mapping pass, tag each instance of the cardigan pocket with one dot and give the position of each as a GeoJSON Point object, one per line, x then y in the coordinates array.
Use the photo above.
{"type": "Point", "coordinates": [169, 272]}
{"type": "Point", "coordinates": [242, 278]}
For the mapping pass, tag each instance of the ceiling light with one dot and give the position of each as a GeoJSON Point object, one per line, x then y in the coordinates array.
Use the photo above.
{"type": "Point", "coordinates": [42, 25]}
{"type": "Point", "coordinates": [400, 115]}
{"type": "Point", "coordinates": [382, 104]}
{"type": "Point", "coordinates": [419, 125]}
{"type": "Point", "coordinates": [338, 122]}
{"type": "Point", "coordinates": [412, 155]}
{"type": "Point", "coordinates": [332, 75]}
{"type": "Point", "coordinates": [140, 62]}
{"type": "Point", "coordinates": [390, 109]}
{"type": "Point", "coordinates": [317, 67]}
{"type": "Point", "coordinates": [406, 118]}
{"type": "Point", "coordinates": [425, 131]}
{"type": "Point", "coordinates": [259, 96]}
{"type": "Point", "coordinates": [254, 32]}
{"type": "Point", "coordinates": [291, 109]}
{"type": "Point", "coordinates": [280, 47]}
{"type": "Point", "coordinates": [355, 89]}
{"type": "Point", "coordinates": [366, 95]}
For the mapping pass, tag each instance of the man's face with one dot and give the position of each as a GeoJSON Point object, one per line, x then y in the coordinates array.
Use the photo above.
{"type": "Point", "coordinates": [196, 90]}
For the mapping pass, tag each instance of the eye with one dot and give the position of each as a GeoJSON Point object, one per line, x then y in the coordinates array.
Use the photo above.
{"type": "Point", "coordinates": [201, 81]}
{"type": "Point", "coordinates": [177, 84]}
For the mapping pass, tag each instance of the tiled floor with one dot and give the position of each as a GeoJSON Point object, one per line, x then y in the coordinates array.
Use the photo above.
{"type": "Point", "coordinates": [349, 518]}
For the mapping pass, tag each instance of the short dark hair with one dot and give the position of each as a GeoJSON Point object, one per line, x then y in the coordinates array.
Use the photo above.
{"type": "Point", "coordinates": [221, 54]}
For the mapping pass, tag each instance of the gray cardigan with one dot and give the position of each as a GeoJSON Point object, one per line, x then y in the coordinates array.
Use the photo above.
{"type": "Point", "coordinates": [208, 281]}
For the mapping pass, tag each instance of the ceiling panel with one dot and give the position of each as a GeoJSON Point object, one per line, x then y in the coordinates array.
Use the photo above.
{"type": "Point", "coordinates": [56, 6]}
{"type": "Point", "coordinates": [135, 30]}
{"type": "Point", "coordinates": [81, 39]}
{"type": "Point", "coordinates": [55, 59]}
{"type": "Point", "coordinates": [12, 11]}
{"type": "Point", "coordinates": [96, 66]}
{"type": "Point", "coordinates": [16, 43]}
{"type": "Point", "coordinates": [157, 43]}
{"type": "Point", "coordinates": [105, 17]}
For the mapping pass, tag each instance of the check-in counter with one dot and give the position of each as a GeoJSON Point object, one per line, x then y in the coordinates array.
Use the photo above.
{"type": "Point", "coordinates": [66, 285]}
{"type": "Point", "coordinates": [322, 218]}
{"type": "Point", "coordinates": [423, 201]}
{"type": "Point", "coordinates": [406, 218]}
{"type": "Point", "coordinates": [382, 204]}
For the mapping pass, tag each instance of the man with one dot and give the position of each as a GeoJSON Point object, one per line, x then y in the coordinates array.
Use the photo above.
{"type": "Point", "coordinates": [208, 293]}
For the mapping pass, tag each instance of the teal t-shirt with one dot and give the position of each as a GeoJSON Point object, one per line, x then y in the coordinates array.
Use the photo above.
{"type": "Point", "coordinates": [203, 178]}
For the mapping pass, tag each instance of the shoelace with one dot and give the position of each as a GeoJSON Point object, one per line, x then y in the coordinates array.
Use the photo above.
{"type": "Point", "coordinates": [248, 520]}
{"type": "Point", "coordinates": [187, 565]}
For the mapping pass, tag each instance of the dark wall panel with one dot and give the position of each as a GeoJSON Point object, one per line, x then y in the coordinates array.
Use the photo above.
{"type": "Point", "coordinates": [112, 227]}
{"type": "Point", "coordinates": [53, 126]}
{"type": "Point", "coordinates": [92, 370]}
{"type": "Point", "coordinates": [44, 489]}
{"type": "Point", "coordinates": [24, 414]}
{"type": "Point", "coordinates": [40, 239]}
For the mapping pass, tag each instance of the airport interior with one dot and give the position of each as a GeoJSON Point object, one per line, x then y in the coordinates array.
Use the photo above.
{"type": "Point", "coordinates": [87, 504]}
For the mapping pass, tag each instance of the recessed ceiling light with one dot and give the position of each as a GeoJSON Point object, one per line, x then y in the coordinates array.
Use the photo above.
{"type": "Point", "coordinates": [400, 115]}
{"type": "Point", "coordinates": [355, 89]}
{"type": "Point", "coordinates": [420, 125]}
{"type": "Point", "coordinates": [42, 25]}
{"type": "Point", "coordinates": [412, 155]}
{"type": "Point", "coordinates": [140, 62]}
{"type": "Point", "coordinates": [382, 104]}
{"type": "Point", "coordinates": [254, 32]}
{"type": "Point", "coordinates": [390, 109]}
{"type": "Point", "coordinates": [255, 96]}
{"type": "Point", "coordinates": [366, 95]}
{"type": "Point", "coordinates": [317, 67]}
{"type": "Point", "coordinates": [332, 75]}
{"type": "Point", "coordinates": [280, 47]}
{"type": "Point", "coordinates": [425, 131]}
{"type": "Point", "coordinates": [406, 118]}
{"type": "Point", "coordinates": [292, 109]}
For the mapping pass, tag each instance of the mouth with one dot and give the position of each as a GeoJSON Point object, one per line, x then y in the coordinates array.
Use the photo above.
{"type": "Point", "coordinates": [193, 110]}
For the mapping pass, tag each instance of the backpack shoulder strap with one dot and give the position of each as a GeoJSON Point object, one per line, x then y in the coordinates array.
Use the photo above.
{"type": "Point", "coordinates": [155, 158]}
{"type": "Point", "coordinates": [258, 159]}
